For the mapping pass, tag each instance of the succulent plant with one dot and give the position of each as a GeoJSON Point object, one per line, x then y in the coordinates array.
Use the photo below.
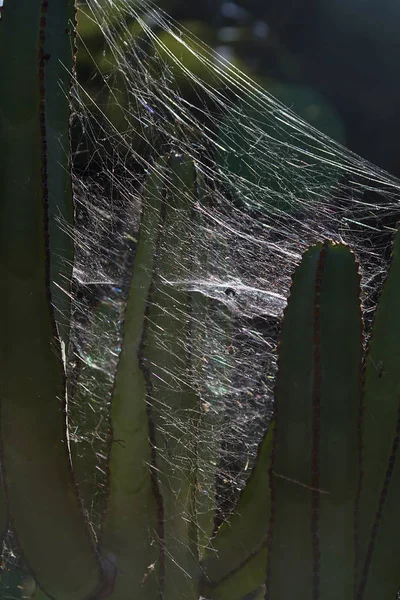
{"type": "Point", "coordinates": [333, 476]}
{"type": "Point", "coordinates": [36, 47]}
{"type": "Point", "coordinates": [319, 516]}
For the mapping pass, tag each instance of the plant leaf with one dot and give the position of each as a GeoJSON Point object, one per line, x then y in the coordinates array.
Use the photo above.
{"type": "Point", "coordinates": [241, 582]}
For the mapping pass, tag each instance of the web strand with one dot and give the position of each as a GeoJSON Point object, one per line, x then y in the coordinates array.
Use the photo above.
{"type": "Point", "coordinates": [268, 185]}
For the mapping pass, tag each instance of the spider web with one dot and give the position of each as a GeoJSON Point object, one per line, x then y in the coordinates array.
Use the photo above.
{"type": "Point", "coordinates": [270, 186]}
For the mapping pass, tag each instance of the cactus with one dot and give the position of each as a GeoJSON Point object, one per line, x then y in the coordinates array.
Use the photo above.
{"type": "Point", "coordinates": [91, 384]}
{"type": "Point", "coordinates": [378, 503]}
{"type": "Point", "coordinates": [45, 512]}
{"type": "Point", "coordinates": [132, 523]}
{"type": "Point", "coordinates": [314, 468]}
{"type": "Point", "coordinates": [334, 478]}
{"type": "Point", "coordinates": [166, 362]}
{"type": "Point", "coordinates": [151, 527]}
{"type": "Point", "coordinates": [235, 563]}
{"type": "Point", "coordinates": [319, 515]}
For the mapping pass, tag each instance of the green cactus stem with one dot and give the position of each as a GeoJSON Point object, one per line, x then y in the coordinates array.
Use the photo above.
{"type": "Point", "coordinates": [213, 370]}
{"type": "Point", "coordinates": [379, 501]}
{"type": "Point", "coordinates": [235, 562]}
{"type": "Point", "coordinates": [45, 513]}
{"type": "Point", "coordinates": [211, 364]}
{"type": "Point", "coordinates": [88, 414]}
{"type": "Point", "coordinates": [4, 520]}
{"type": "Point", "coordinates": [241, 583]}
{"type": "Point", "coordinates": [315, 459]}
{"type": "Point", "coordinates": [173, 402]}
{"type": "Point", "coordinates": [131, 530]}
{"type": "Point", "coordinates": [58, 63]}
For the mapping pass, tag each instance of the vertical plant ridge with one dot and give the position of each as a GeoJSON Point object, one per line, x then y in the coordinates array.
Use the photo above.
{"type": "Point", "coordinates": [359, 486]}
{"type": "Point", "coordinates": [313, 254]}
{"type": "Point", "coordinates": [315, 457]}
{"type": "Point", "coordinates": [272, 515]}
{"type": "Point", "coordinates": [360, 451]}
{"type": "Point", "coordinates": [174, 402]}
{"type": "Point", "coordinates": [194, 529]}
{"type": "Point", "coordinates": [4, 512]}
{"type": "Point", "coordinates": [45, 512]}
{"type": "Point", "coordinates": [341, 329]}
{"type": "Point", "coordinates": [58, 56]}
{"type": "Point", "coordinates": [43, 133]}
{"type": "Point", "coordinates": [133, 520]}
{"type": "Point", "coordinates": [379, 512]}
{"type": "Point", "coordinates": [150, 421]}
{"type": "Point", "coordinates": [316, 424]}
{"type": "Point", "coordinates": [359, 444]}
{"type": "Point", "coordinates": [155, 485]}
{"type": "Point", "coordinates": [61, 324]}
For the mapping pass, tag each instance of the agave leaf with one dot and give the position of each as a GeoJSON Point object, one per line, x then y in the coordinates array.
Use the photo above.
{"type": "Point", "coordinates": [243, 536]}
{"type": "Point", "coordinates": [132, 524]}
{"type": "Point", "coordinates": [378, 506]}
{"type": "Point", "coordinates": [46, 515]}
{"type": "Point", "coordinates": [315, 458]}
{"type": "Point", "coordinates": [173, 401]}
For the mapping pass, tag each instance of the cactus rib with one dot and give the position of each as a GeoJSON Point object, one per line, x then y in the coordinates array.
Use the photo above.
{"type": "Point", "coordinates": [131, 529]}
{"type": "Point", "coordinates": [45, 512]}
{"type": "Point", "coordinates": [315, 457]}
{"type": "Point", "coordinates": [378, 514]}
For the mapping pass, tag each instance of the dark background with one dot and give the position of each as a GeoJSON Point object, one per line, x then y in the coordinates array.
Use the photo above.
{"type": "Point", "coordinates": [334, 62]}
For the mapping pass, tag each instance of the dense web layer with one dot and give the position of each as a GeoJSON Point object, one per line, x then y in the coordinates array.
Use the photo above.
{"type": "Point", "coordinates": [270, 186]}
{"type": "Point", "coordinates": [267, 186]}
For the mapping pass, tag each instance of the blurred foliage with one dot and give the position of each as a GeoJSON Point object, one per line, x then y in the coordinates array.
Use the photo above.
{"type": "Point", "coordinates": [247, 153]}
{"type": "Point", "coordinates": [231, 30]}
{"type": "Point", "coordinates": [332, 61]}
{"type": "Point", "coordinates": [96, 63]}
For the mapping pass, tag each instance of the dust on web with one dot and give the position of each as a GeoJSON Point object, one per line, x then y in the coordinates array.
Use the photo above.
{"type": "Point", "coordinates": [268, 185]}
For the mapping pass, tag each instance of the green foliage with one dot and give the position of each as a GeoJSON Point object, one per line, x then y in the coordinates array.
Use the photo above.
{"type": "Point", "coordinates": [131, 524]}
{"type": "Point", "coordinates": [234, 563]}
